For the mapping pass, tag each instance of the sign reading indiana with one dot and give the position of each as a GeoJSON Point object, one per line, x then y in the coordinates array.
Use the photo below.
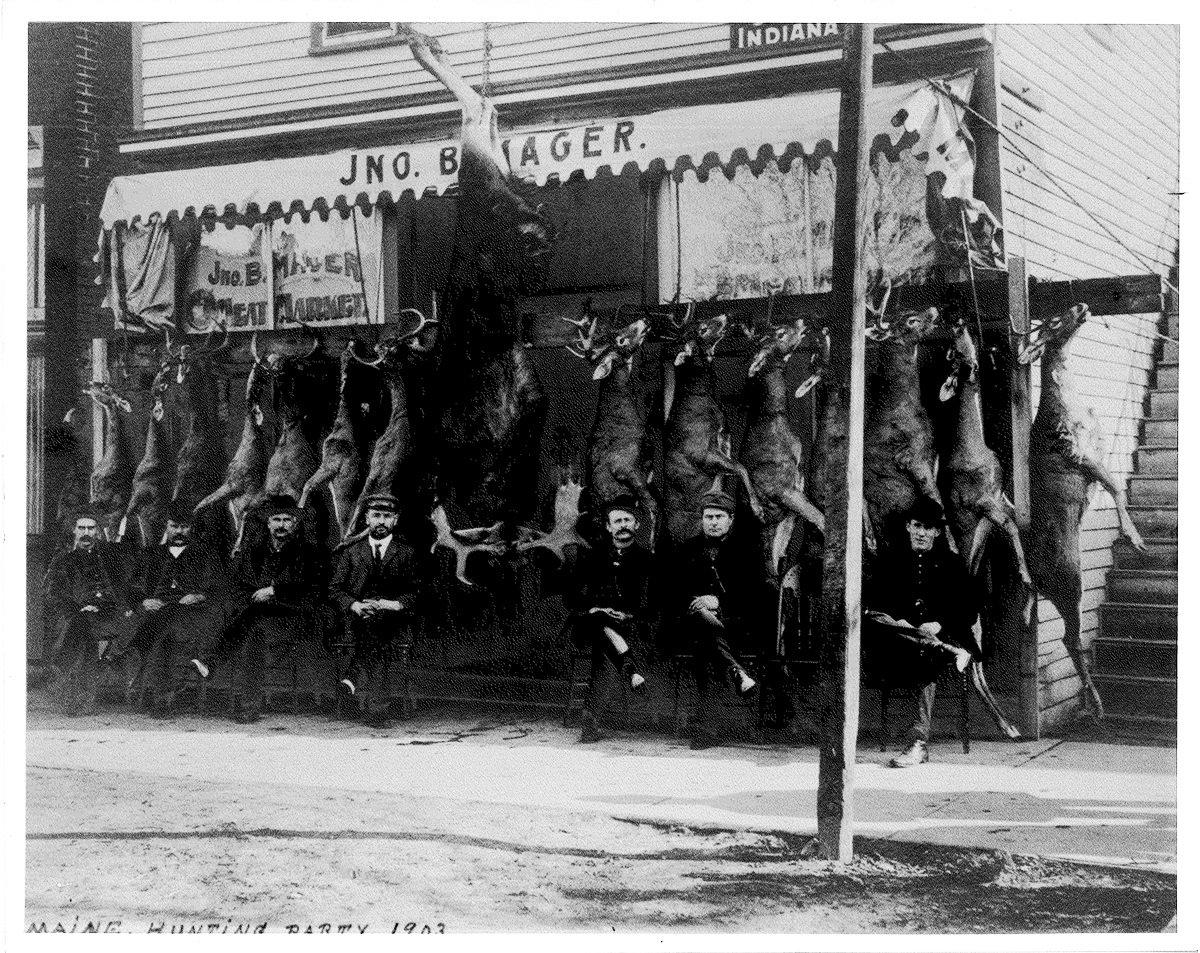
{"type": "Point", "coordinates": [751, 36]}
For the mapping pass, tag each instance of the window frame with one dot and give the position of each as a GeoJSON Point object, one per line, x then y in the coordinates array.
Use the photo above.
{"type": "Point", "coordinates": [323, 45]}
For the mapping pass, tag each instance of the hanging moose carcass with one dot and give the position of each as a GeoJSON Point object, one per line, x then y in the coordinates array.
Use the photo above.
{"type": "Point", "coordinates": [1063, 464]}
{"type": "Point", "coordinates": [488, 406]}
{"type": "Point", "coordinates": [696, 433]}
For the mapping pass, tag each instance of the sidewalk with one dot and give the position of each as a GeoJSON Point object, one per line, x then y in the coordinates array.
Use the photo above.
{"type": "Point", "coordinates": [1103, 803]}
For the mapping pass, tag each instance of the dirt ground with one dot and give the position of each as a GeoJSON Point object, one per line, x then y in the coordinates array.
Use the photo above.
{"type": "Point", "coordinates": [177, 852]}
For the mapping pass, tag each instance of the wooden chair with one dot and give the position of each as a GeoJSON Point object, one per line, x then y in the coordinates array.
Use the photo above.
{"type": "Point", "coordinates": [949, 675]}
{"type": "Point", "coordinates": [579, 663]}
{"type": "Point", "coordinates": [683, 663]}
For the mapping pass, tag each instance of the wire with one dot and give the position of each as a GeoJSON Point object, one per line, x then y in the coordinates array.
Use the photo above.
{"type": "Point", "coordinates": [959, 101]}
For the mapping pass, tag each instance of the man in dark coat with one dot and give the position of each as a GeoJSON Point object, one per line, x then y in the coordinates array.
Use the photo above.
{"type": "Point", "coordinates": [89, 598]}
{"type": "Point", "coordinates": [611, 607]}
{"type": "Point", "coordinates": [375, 583]}
{"type": "Point", "coordinates": [921, 606]}
{"type": "Point", "coordinates": [721, 597]}
{"type": "Point", "coordinates": [184, 604]}
{"type": "Point", "coordinates": [279, 605]}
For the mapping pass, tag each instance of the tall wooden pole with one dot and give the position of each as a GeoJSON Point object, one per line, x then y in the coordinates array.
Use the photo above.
{"type": "Point", "coordinates": [841, 592]}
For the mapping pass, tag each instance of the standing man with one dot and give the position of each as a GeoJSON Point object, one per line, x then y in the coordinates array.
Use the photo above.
{"type": "Point", "coordinates": [90, 600]}
{"type": "Point", "coordinates": [721, 600]}
{"type": "Point", "coordinates": [920, 609]}
{"type": "Point", "coordinates": [375, 584]}
{"type": "Point", "coordinates": [611, 606]}
{"type": "Point", "coordinates": [279, 589]}
{"type": "Point", "coordinates": [184, 606]}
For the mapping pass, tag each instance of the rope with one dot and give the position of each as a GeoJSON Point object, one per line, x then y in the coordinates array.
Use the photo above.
{"type": "Point", "coordinates": [362, 284]}
{"type": "Point", "coordinates": [974, 290]}
{"type": "Point", "coordinates": [678, 244]}
{"type": "Point", "coordinates": [487, 61]}
{"type": "Point", "coordinates": [958, 100]}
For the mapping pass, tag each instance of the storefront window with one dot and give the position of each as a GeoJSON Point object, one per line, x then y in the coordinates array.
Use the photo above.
{"type": "Point", "coordinates": [751, 236]}
{"type": "Point", "coordinates": [333, 36]}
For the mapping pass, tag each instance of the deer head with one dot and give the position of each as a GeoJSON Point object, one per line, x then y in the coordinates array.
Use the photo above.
{"type": "Point", "coordinates": [183, 357]}
{"type": "Point", "coordinates": [818, 362]}
{"type": "Point", "coordinates": [389, 352]}
{"type": "Point", "coordinates": [1053, 333]}
{"type": "Point", "coordinates": [700, 337]}
{"type": "Point", "coordinates": [963, 359]}
{"type": "Point", "coordinates": [777, 344]}
{"type": "Point", "coordinates": [606, 353]}
{"type": "Point", "coordinates": [103, 394]}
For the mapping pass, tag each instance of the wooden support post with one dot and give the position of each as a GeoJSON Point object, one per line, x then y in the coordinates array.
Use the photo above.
{"type": "Point", "coordinates": [1021, 417]}
{"type": "Point", "coordinates": [841, 609]}
{"type": "Point", "coordinates": [99, 373]}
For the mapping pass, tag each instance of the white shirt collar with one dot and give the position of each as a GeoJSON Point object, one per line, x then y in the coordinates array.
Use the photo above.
{"type": "Point", "coordinates": [176, 550]}
{"type": "Point", "coordinates": [381, 545]}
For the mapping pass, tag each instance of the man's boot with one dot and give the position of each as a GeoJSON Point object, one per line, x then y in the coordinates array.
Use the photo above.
{"type": "Point", "coordinates": [743, 684]}
{"type": "Point", "coordinates": [590, 732]}
{"type": "Point", "coordinates": [628, 668]}
{"type": "Point", "coordinates": [916, 753]}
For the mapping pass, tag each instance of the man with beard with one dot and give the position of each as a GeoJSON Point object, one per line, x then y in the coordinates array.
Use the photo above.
{"type": "Point", "coordinates": [611, 606]}
{"type": "Point", "coordinates": [279, 587]}
{"type": "Point", "coordinates": [90, 601]}
{"type": "Point", "coordinates": [721, 602]}
{"type": "Point", "coordinates": [375, 583]}
{"type": "Point", "coordinates": [184, 593]}
{"type": "Point", "coordinates": [920, 610]}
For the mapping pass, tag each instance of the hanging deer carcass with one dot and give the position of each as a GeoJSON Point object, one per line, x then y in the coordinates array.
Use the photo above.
{"type": "Point", "coordinates": [154, 475]}
{"type": "Point", "coordinates": [394, 445]}
{"type": "Point", "coordinates": [696, 435]}
{"type": "Point", "coordinates": [898, 452]}
{"type": "Point", "coordinates": [1063, 465]}
{"type": "Point", "coordinates": [200, 462]}
{"type": "Point", "coordinates": [618, 458]}
{"type": "Point", "coordinates": [771, 453]}
{"type": "Point", "coordinates": [488, 405]}
{"type": "Point", "coordinates": [293, 460]}
{"type": "Point", "coordinates": [111, 474]}
{"type": "Point", "coordinates": [978, 504]}
{"type": "Point", "coordinates": [245, 478]}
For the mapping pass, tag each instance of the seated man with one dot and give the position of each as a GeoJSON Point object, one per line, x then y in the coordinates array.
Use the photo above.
{"type": "Point", "coordinates": [89, 600]}
{"type": "Point", "coordinates": [720, 599]}
{"type": "Point", "coordinates": [280, 588]}
{"type": "Point", "coordinates": [375, 582]}
{"type": "Point", "coordinates": [184, 591]}
{"type": "Point", "coordinates": [611, 606]}
{"type": "Point", "coordinates": [920, 609]}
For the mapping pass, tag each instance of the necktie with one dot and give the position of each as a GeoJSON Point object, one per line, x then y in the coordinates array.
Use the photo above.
{"type": "Point", "coordinates": [378, 555]}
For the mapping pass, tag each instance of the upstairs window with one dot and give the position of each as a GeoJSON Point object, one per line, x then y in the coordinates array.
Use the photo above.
{"type": "Point", "coordinates": [334, 36]}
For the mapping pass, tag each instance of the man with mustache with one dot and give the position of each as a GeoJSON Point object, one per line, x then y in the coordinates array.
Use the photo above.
{"type": "Point", "coordinates": [280, 591]}
{"type": "Point", "coordinates": [921, 605]}
{"type": "Point", "coordinates": [721, 597]}
{"type": "Point", "coordinates": [611, 607]}
{"type": "Point", "coordinates": [375, 583]}
{"type": "Point", "coordinates": [184, 600]}
{"type": "Point", "coordinates": [89, 598]}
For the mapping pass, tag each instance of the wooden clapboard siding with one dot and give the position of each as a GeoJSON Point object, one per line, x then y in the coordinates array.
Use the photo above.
{"type": "Point", "coordinates": [198, 72]}
{"type": "Point", "coordinates": [1098, 108]}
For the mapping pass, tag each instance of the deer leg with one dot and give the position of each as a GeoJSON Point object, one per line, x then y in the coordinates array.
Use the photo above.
{"type": "Point", "coordinates": [427, 51]}
{"type": "Point", "coordinates": [1072, 625]}
{"type": "Point", "coordinates": [1096, 471]}
{"type": "Point", "coordinates": [715, 460]}
{"type": "Point", "coordinates": [1001, 515]}
{"type": "Point", "coordinates": [979, 683]}
{"type": "Point", "coordinates": [978, 544]}
{"type": "Point", "coordinates": [802, 506]}
{"type": "Point", "coordinates": [323, 475]}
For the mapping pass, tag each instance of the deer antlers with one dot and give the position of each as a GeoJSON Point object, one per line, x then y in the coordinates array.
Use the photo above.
{"type": "Point", "coordinates": [412, 337]}
{"type": "Point", "coordinates": [587, 338]}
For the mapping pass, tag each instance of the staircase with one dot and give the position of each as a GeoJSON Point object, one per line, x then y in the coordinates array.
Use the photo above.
{"type": "Point", "coordinates": [1136, 652]}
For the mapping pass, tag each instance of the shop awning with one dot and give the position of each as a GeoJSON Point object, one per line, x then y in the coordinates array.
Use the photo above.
{"type": "Point", "coordinates": [700, 137]}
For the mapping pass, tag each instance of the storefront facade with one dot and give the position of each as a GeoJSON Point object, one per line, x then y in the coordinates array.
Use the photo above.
{"type": "Point", "coordinates": [677, 161]}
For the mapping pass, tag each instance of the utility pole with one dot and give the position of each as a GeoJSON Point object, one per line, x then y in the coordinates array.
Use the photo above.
{"type": "Point", "coordinates": [841, 612]}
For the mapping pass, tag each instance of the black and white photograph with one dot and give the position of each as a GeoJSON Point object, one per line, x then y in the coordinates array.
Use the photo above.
{"type": "Point", "coordinates": [638, 478]}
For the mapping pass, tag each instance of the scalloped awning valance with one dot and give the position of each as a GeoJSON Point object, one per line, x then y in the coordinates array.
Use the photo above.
{"type": "Point", "coordinates": [699, 137]}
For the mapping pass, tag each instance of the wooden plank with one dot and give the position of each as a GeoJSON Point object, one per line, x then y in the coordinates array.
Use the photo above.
{"type": "Point", "coordinates": [1020, 421]}
{"type": "Point", "coordinates": [845, 380]}
{"type": "Point", "coordinates": [1129, 294]}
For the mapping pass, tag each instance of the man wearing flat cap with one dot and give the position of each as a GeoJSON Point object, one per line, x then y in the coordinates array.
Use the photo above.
{"type": "Point", "coordinates": [89, 598]}
{"type": "Point", "coordinates": [720, 597]}
{"type": "Point", "coordinates": [184, 605]}
{"type": "Point", "coordinates": [921, 606]}
{"type": "Point", "coordinates": [376, 585]}
{"type": "Point", "coordinates": [280, 606]}
{"type": "Point", "coordinates": [611, 606]}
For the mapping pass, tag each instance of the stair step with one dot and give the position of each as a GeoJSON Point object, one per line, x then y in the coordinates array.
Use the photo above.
{"type": "Point", "coordinates": [1159, 554]}
{"type": "Point", "coordinates": [1170, 351]}
{"type": "Point", "coordinates": [1173, 325]}
{"type": "Point", "coordinates": [1158, 460]}
{"type": "Point", "coordinates": [1139, 621]}
{"type": "Point", "coordinates": [1135, 657]}
{"type": "Point", "coordinates": [1158, 586]}
{"type": "Point", "coordinates": [1138, 695]}
{"type": "Point", "coordinates": [1160, 431]}
{"type": "Point", "coordinates": [1143, 727]}
{"type": "Point", "coordinates": [1164, 404]}
{"type": "Point", "coordinates": [1167, 376]}
{"type": "Point", "coordinates": [1157, 521]}
{"type": "Point", "coordinates": [1151, 490]}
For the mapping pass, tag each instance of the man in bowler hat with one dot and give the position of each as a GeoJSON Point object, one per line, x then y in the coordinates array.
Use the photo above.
{"type": "Point", "coordinates": [184, 605]}
{"type": "Point", "coordinates": [279, 593]}
{"type": "Point", "coordinates": [720, 599]}
{"type": "Point", "coordinates": [90, 599]}
{"type": "Point", "coordinates": [375, 583]}
{"type": "Point", "coordinates": [611, 606]}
